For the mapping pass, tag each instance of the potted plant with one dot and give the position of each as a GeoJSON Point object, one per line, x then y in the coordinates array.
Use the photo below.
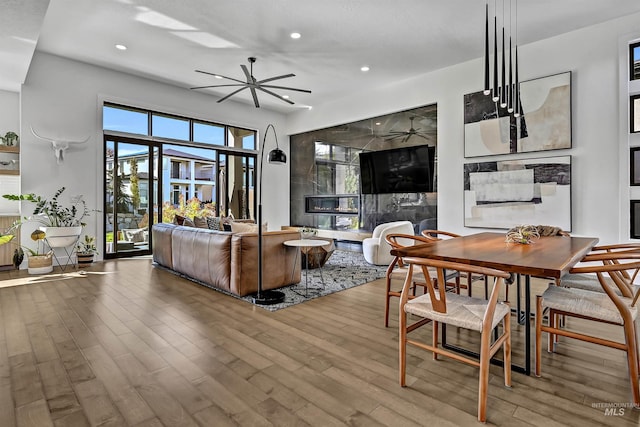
{"type": "Point", "coordinates": [10, 139]}
{"type": "Point", "coordinates": [85, 251]}
{"type": "Point", "coordinates": [62, 224]}
{"type": "Point", "coordinates": [38, 261]}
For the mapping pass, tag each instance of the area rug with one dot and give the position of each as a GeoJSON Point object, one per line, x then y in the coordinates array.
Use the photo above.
{"type": "Point", "coordinates": [344, 270]}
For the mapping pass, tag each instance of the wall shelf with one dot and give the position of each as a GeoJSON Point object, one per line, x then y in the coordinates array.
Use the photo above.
{"type": "Point", "coordinates": [9, 149]}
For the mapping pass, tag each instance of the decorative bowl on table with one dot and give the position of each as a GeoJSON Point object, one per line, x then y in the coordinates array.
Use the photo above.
{"type": "Point", "coordinates": [308, 232]}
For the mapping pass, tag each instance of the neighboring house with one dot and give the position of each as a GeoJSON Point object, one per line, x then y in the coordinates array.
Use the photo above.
{"type": "Point", "coordinates": [183, 174]}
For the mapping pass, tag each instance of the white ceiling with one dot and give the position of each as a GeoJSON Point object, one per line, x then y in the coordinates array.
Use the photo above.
{"type": "Point", "coordinates": [167, 39]}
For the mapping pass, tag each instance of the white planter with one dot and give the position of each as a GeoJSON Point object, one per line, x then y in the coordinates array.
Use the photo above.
{"type": "Point", "coordinates": [62, 237]}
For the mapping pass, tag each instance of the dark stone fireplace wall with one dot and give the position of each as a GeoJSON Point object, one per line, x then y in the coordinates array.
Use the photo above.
{"type": "Point", "coordinates": [374, 209]}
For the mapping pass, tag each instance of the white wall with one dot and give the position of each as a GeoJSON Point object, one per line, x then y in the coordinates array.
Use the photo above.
{"type": "Point", "coordinates": [591, 54]}
{"type": "Point", "coordinates": [63, 98]}
{"type": "Point", "coordinates": [9, 112]}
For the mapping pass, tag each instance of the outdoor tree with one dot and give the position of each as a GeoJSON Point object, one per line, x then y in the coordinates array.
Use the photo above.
{"type": "Point", "coordinates": [135, 185]}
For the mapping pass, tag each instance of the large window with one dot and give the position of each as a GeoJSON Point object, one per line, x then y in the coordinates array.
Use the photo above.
{"type": "Point", "coordinates": [198, 168]}
{"type": "Point", "coordinates": [634, 61]}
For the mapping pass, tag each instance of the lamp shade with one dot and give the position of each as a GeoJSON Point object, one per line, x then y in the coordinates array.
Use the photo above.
{"type": "Point", "coordinates": [277, 156]}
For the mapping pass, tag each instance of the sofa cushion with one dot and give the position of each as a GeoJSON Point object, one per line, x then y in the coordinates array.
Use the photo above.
{"type": "Point", "coordinates": [244, 227]}
{"type": "Point", "coordinates": [183, 220]}
{"type": "Point", "coordinates": [203, 255]}
{"type": "Point", "coordinates": [213, 222]}
{"type": "Point", "coordinates": [200, 222]}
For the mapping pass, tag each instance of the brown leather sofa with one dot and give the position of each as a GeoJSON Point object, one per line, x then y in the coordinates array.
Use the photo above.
{"type": "Point", "coordinates": [226, 260]}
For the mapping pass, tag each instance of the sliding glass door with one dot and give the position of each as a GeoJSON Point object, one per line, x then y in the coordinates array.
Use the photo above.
{"type": "Point", "coordinates": [131, 196]}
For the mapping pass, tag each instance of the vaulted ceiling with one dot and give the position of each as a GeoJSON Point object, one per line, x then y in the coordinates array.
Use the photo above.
{"type": "Point", "coordinates": [168, 40]}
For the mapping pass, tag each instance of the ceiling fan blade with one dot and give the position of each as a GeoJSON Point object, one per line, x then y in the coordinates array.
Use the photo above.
{"type": "Point", "coordinates": [246, 73]}
{"type": "Point", "coordinates": [255, 97]}
{"type": "Point", "coordinates": [285, 76]}
{"type": "Point", "coordinates": [391, 138]}
{"type": "Point", "coordinates": [275, 94]}
{"type": "Point", "coordinates": [205, 87]}
{"type": "Point", "coordinates": [219, 75]}
{"type": "Point", "coordinates": [287, 88]}
{"type": "Point", "coordinates": [231, 94]}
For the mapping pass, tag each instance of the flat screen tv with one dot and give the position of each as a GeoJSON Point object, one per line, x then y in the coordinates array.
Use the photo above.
{"type": "Point", "coordinates": [401, 170]}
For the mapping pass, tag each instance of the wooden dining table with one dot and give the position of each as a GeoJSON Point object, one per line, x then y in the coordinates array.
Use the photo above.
{"type": "Point", "coordinates": [547, 257]}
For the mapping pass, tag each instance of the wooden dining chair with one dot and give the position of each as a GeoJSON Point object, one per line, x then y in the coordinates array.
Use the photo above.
{"type": "Point", "coordinates": [398, 271]}
{"type": "Point", "coordinates": [480, 315]}
{"type": "Point", "coordinates": [590, 283]}
{"type": "Point", "coordinates": [615, 305]}
{"type": "Point", "coordinates": [464, 276]}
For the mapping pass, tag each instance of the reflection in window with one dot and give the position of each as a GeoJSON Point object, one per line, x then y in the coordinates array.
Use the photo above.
{"type": "Point", "coordinates": [170, 127]}
{"type": "Point", "coordinates": [634, 61]}
{"type": "Point", "coordinates": [125, 120]}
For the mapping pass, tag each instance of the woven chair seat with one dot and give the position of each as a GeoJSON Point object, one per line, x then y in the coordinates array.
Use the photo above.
{"type": "Point", "coordinates": [585, 303]}
{"type": "Point", "coordinates": [400, 273]}
{"type": "Point", "coordinates": [590, 283]}
{"type": "Point", "coordinates": [462, 311]}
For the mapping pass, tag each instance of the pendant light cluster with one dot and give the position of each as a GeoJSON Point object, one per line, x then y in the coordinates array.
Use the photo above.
{"type": "Point", "coordinates": [506, 94]}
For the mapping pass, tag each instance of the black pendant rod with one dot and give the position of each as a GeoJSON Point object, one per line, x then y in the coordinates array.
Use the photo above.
{"type": "Point", "coordinates": [510, 90]}
{"type": "Point", "coordinates": [487, 90]}
{"type": "Point", "coordinates": [503, 87]}
{"type": "Point", "coordinates": [496, 95]}
{"type": "Point", "coordinates": [516, 89]}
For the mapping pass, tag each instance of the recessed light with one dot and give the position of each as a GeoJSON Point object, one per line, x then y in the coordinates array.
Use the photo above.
{"type": "Point", "coordinates": [378, 123]}
{"type": "Point", "coordinates": [295, 35]}
{"type": "Point", "coordinates": [364, 68]}
{"type": "Point", "coordinates": [121, 47]}
{"type": "Point", "coordinates": [285, 96]}
{"type": "Point", "coordinates": [309, 107]}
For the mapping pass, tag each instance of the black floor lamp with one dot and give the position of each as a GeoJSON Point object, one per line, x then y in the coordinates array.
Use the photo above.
{"type": "Point", "coordinates": [279, 157]}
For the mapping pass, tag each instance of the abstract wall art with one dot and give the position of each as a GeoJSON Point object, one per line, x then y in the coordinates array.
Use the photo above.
{"type": "Point", "coordinates": [545, 123]}
{"type": "Point", "coordinates": [635, 219]}
{"type": "Point", "coordinates": [634, 167]}
{"type": "Point", "coordinates": [507, 193]}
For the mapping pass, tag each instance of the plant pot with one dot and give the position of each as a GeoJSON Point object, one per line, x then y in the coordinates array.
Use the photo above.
{"type": "Point", "coordinates": [62, 237]}
{"type": "Point", "coordinates": [40, 264]}
{"type": "Point", "coordinates": [85, 259]}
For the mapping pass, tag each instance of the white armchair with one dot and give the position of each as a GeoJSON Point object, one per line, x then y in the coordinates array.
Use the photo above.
{"type": "Point", "coordinates": [375, 249]}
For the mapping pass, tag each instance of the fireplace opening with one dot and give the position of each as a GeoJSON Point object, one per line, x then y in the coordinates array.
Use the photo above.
{"type": "Point", "coordinates": [332, 204]}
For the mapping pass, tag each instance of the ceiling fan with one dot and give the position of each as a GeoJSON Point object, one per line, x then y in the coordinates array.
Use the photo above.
{"type": "Point", "coordinates": [405, 135]}
{"type": "Point", "coordinates": [252, 84]}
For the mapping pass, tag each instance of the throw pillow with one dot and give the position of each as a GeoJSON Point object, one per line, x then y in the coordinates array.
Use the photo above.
{"type": "Point", "coordinates": [200, 222]}
{"type": "Point", "coordinates": [243, 227]}
{"type": "Point", "coordinates": [213, 222]}
{"type": "Point", "coordinates": [226, 227]}
{"type": "Point", "coordinates": [188, 222]}
{"type": "Point", "coordinates": [178, 220]}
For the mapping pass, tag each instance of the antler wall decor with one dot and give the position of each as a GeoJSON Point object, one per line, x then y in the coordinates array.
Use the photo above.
{"type": "Point", "coordinates": [59, 146]}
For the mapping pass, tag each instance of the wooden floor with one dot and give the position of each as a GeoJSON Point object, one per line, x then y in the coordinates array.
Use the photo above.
{"type": "Point", "coordinates": [128, 344]}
